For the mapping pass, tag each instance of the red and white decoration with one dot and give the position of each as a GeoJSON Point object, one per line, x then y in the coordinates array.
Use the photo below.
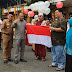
{"type": "Point", "coordinates": [26, 11]}
{"type": "Point", "coordinates": [39, 35]}
{"type": "Point", "coordinates": [40, 6]}
{"type": "Point", "coordinates": [59, 4]}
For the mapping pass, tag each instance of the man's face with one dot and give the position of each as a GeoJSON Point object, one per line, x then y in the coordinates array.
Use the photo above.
{"type": "Point", "coordinates": [40, 17]}
{"type": "Point", "coordinates": [10, 17]}
{"type": "Point", "coordinates": [21, 16]}
{"type": "Point", "coordinates": [57, 14]}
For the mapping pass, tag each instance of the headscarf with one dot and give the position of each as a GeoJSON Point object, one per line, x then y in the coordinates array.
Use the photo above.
{"type": "Point", "coordinates": [69, 35]}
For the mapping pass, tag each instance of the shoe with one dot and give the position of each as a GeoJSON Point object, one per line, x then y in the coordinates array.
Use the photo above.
{"type": "Point", "coordinates": [22, 60]}
{"type": "Point", "coordinates": [51, 65]}
{"type": "Point", "coordinates": [16, 61]}
{"type": "Point", "coordinates": [12, 47]}
{"type": "Point", "coordinates": [10, 60]}
{"type": "Point", "coordinates": [38, 58]}
{"type": "Point", "coordinates": [0, 48]}
{"type": "Point", "coordinates": [33, 50]}
{"type": "Point", "coordinates": [59, 69]}
{"type": "Point", "coordinates": [5, 61]}
{"type": "Point", "coordinates": [29, 45]}
{"type": "Point", "coordinates": [48, 49]}
{"type": "Point", "coordinates": [43, 59]}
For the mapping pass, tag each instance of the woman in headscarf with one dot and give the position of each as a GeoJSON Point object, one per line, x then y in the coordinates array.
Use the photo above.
{"type": "Point", "coordinates": [68, 48]}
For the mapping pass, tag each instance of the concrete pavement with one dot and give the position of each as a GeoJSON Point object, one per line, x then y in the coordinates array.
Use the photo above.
{"type": "Point", "coordinates": [31, 66]}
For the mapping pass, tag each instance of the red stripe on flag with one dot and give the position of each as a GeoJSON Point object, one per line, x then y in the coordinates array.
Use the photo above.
{"type": "Point", "coordinates": [38, 30]}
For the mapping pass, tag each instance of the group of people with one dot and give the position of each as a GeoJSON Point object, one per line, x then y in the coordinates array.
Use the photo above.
{"type": "Point", "coordinates": [60, 41]}
{"type": "Point", "coordinates": [7, 30]}
{"type": "Point", "coordinates": [58, 35]}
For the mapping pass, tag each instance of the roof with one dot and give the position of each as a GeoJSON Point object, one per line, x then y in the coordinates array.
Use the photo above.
{"type": "Point", "coordinates": [7, 3]}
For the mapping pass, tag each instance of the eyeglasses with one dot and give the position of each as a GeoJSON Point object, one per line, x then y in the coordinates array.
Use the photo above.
{"type": "Point", "coordinates": [11, 16]}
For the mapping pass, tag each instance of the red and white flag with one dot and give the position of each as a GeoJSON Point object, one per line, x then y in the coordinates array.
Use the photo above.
{"type": "Point", "coordinates": [39, 35]}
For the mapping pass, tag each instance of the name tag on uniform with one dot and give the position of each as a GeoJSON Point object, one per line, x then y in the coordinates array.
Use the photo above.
{"type": "Point", "coordinates": [7, 24]}
{"type": "Point", "coordinates": [7, 27]}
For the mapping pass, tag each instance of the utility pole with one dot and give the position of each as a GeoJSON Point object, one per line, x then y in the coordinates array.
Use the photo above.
{"type": "Point", "coordinates": [17, 8]}
{"type": "Point", "coordinates": [0, 12]}
{"type": "Point", "coordinates": [7, 4]}
{"type": "Point", "coordinates": [20, 2]}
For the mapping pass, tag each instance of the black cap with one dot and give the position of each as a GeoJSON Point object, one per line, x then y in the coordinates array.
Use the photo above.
{"type": "Point", "coordinates": [11, 13]}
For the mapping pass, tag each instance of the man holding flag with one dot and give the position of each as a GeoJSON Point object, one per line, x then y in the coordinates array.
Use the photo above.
{"type": "Point", "coordinates": [58, 34]}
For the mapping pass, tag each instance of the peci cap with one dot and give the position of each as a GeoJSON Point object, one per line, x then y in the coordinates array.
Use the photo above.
{"type": "Point", "coordinates": [11, 13]}
{"type": "Point", "coordinates": [40, 14]}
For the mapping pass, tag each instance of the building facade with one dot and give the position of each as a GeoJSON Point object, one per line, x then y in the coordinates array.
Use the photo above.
{"type": "Point", "coordinates": [67, 10]}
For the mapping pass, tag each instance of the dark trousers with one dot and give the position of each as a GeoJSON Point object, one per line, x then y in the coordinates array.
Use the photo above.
{"type": "Point", "coordinates": [49, 49]}
{"type": "Point", "coordinates": [0, 39]}
{"type": "Point", "coordinates": [68, 67]}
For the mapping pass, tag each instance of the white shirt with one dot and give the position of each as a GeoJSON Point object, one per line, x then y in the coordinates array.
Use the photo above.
{"type": "Point", "coordinates": [68, 26]}
{"type": "Point", "coordinates": [29, 23]}
{"type": "Point", "coordinates": [0, 24]}
{"type": "Point", "coordinates": [43, 23]}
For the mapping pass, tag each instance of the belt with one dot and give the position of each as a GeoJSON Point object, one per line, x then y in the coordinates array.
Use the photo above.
{"type": "Point", "coordinates": [8, 34]}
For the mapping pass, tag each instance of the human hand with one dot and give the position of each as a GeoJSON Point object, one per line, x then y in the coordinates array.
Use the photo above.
{"type": "Point", "coordinates": [16, 21]}
{"type": "Point", "coordinates": [64, 48]}
{"type": "Point", "coordinates": [51, 28]}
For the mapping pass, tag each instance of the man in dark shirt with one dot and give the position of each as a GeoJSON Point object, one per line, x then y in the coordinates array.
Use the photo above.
{"type": "Point", "coordinates": [58, 35]}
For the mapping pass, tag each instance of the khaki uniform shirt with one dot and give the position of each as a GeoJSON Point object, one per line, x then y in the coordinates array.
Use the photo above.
{"type": "Point", "coordinates": [6, 27]}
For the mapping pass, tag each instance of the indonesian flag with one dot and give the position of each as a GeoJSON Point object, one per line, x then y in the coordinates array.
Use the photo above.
{"type": "Point", "coordinates": [39, 35]}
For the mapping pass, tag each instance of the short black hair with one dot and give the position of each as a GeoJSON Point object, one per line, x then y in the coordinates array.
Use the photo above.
{"type": "Point", "coordinates": [11, 13]}
{"type": "Point", "coordinates": [21, 12]}
{"type": "Point", "coordinates": [60, 10]}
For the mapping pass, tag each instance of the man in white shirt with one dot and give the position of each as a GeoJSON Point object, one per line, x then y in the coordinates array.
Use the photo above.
{"type": "Point", "coordinates": [0, 33]}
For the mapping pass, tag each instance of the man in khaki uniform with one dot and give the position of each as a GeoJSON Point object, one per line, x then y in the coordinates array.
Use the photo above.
{"type": "Point", "coordinates": [7, 37]}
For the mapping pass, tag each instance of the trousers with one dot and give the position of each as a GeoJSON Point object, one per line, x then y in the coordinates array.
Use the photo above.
{"type": "Point", "coordinates": [20, 45]}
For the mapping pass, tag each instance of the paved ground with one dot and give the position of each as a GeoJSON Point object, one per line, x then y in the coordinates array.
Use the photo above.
{"type": "Point", "coordinates": [31, 66]}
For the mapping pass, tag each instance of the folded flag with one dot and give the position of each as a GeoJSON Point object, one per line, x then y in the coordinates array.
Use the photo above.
{"type": "Point", "coordinates": [39, 35]}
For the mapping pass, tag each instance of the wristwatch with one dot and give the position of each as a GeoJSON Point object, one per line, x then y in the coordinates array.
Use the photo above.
{"type": "Point", "coordinates": [53, 29]}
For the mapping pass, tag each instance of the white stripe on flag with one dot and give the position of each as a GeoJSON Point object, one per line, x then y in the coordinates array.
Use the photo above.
{"type": "Point", "coordinates": [39, 39]}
